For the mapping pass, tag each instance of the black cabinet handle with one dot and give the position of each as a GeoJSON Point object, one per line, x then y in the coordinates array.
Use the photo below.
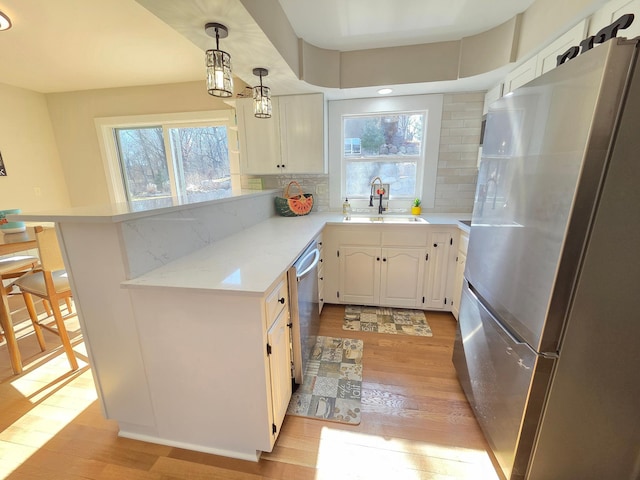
{"type": "Point", "coordinates": [281, 300]}
{"type": "Point", "coordinates": [377, 259]}
{"type": "Point", "coordinates": [384, 259]}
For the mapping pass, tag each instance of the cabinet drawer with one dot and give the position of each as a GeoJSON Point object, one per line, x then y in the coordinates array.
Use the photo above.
{"type": "Point", "coordinates": [413, 236]}
{"type": "Point", "coordinates": [361, 235]}
{"type": "Point", "coordinates": [276, 301]}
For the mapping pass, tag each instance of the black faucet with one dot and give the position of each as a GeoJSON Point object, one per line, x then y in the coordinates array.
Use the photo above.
{"type": "Point", "coordinates": [382, 192]}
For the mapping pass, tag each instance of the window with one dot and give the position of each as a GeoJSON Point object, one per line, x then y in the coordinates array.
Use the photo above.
{"type": "Point", "coordinates": [352, 146]}
{"type": "Point", "coordinates": [394, 138]}
{"type": "Point", "coordinates": [389, 146]}
{"type": "Point", "coordinates": [169, 155]}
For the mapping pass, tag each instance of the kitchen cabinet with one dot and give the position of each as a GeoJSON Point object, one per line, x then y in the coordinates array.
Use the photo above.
{"type": "Point", "coordinates": [613, 10]}
{"type": "Point", "coordinates": [359, 275]}
{"type": "Point", "coordinates": [461, 259]}
{"type": "Point", "coordinates": [404, 267]}
{"type": "Point", "coordinates": [436, 274]}
{"type": "Point", "coordinates": [381, 276]}
{"type": "Point", "coordinates": [547, 57]}
{"type": "Point", "coordinates": [218, 367]}
{"type": "Point", "coordinates": [279, 353]}
{"type": "Point", "coordinates": [290, 142]}
{"type": "Point", "coordinates": [491, 96]}
{"type": "Point", "coordinates": [520, 75]}
{"type": "Point", "coordinates": [258, 138]}
{"type": "Point", "coordinates": [321, 275]}
{"type": "Point", "coordinates": [401, 276]}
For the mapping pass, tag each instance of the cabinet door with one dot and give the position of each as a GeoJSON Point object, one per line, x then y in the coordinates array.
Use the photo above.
{"type": "Point", "coordinates": [359, 275]}
{"type": "Point", "coordinates": [321, 273]}
{"type": "Point", "coordinates": [280, 367]}
{"type": "Point", "coordinates": [457, 287]}
{"type": "Point", "coordinates": [259, 140]}
{"type": "Point", "coordinates": [547, 58]}
{"type": "Point", "coordinates": [302, 133]}
{"type": "Point", "coordinates": [520, 75]}
{"type": "Point", "coordinates": [613, 10]}
{"type": "Point", "coordinates": [435, 288]}
{"type": "Point", "coordinates": [401, 276]}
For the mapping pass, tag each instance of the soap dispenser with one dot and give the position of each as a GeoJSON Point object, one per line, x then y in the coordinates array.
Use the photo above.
{"type": "Point", "coordinates": [346, 209]}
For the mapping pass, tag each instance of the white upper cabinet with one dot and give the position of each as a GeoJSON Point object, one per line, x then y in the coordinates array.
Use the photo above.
{"type": "Point", "coordinates": [548, 57]}
{"type": "Point", "coordinates": [302, 133]}
{"type": "Point", "coordinates": [520, 75]}
{"type": "Point", "coordinates": [291, 141]}
{"type": "Point", "coordinates": [613, 10]}
{"type": "Point", "coordinates": [491, 96]}
{"type": "Point", "coordinates": [259, 139]}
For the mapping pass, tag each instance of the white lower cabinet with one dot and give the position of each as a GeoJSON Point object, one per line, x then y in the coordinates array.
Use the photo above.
{"type": "Point", "coordinates": [279, 353]}
{"type": "Point", "coordinates": [397, 268]}
{"type": "Point", "coordinates": [461, 260]}
{"type": "Point", "coordinates": [359, 275]}
{"type": "Point", "coordinates": [401, 276]}
{"type": "Point", "coordinates": [321, 275]}
{"type": "Point", "coordinates": [218, 368]}
{"type": "Point", "coordinates": [436, 275]}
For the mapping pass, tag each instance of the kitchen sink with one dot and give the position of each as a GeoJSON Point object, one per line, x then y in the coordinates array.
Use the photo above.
{"type": "Point", "coordinates": [385, 219]}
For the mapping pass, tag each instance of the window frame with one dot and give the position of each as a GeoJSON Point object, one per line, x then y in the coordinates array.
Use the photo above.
{"type": "Point", "coordinates": [427, 168]}
{"type": "Point", "coordinates": [105, 128]}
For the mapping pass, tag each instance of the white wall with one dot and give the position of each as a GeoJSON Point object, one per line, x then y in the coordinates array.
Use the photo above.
{"type": "Point", "coordinates": [34, 180]}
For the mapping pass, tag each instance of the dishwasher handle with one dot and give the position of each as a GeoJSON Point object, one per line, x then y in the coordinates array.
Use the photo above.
{"type": "Point", "coordinates": [313, 264]}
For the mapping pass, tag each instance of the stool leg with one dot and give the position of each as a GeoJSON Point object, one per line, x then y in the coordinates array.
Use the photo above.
{"type": "Point", "coordinates": [64, 335]}
{"type": "Point", "coordinates": [47, 309]}
{"type": "Point", "coordinates": [7, 327]}
{"type": "Point", "coordinates": [28, 301]}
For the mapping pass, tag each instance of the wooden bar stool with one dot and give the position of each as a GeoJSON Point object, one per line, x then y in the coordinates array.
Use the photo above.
{"type": "Point", "coordinates": [50, 283]}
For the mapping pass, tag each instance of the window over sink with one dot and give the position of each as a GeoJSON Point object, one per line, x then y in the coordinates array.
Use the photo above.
{"type": "Point", "coordinates": [394, 138]}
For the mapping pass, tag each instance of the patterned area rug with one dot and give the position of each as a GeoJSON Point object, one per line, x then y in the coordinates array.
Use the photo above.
{"type": "Point", "coordinates": [386, 320]}
{"type": "Point", "coordinates": [332, 382]}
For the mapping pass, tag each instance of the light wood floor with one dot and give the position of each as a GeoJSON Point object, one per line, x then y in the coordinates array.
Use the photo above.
{"type": "Point", "coordinates": [416, 423]}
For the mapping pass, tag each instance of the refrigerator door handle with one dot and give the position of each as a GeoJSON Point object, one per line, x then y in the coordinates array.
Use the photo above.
{"type": "Point", "coordinates": [504, 330]}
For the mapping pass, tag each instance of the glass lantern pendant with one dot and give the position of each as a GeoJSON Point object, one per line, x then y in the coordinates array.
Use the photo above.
{"type": "Point", "coordinates": [219, 79]}
{"type": "Point", "coordinates": [261, 96]}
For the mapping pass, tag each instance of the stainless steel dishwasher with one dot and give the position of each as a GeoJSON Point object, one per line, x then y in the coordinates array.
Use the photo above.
{"type": "Point", "coordinates": [305, 316]}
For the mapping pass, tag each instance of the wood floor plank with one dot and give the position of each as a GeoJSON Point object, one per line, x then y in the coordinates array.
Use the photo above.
{"type": "Point", "coordinates": [416, 422]}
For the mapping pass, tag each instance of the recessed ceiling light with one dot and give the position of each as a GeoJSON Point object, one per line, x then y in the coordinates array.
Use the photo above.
{"type": "Point", "coordinates": [5, 23]}
{"type": "Point", "coordinates": [385, 91]}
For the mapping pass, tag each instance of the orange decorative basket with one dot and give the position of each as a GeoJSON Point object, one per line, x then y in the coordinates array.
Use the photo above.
{"type": "Point", "coordinates": [294, 205]}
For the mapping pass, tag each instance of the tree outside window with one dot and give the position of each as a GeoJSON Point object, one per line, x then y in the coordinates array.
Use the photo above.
{"type": "Point", "coordinates": [162, 161]}
{"type": "Point", "coordinates": [391, 147]}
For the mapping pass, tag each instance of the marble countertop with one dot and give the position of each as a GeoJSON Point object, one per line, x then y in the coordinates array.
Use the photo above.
{"type": "Point", "coordinates": [250, 261]}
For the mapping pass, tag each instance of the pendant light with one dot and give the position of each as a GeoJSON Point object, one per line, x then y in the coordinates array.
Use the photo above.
{"type": "Point", "coordinates": [219, 80]}
{"type": "Point", "coordinates": [261, 96]}
{"type": "Point", "coordinates": [5, 23]}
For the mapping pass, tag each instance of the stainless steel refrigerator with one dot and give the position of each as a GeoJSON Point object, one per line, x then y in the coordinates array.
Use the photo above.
{"type": "Point", "coordinates": [548, 342]}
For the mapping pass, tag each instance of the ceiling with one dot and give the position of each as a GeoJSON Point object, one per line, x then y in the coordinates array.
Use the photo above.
{"type": "Point", "coordinates": [69, 45]}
